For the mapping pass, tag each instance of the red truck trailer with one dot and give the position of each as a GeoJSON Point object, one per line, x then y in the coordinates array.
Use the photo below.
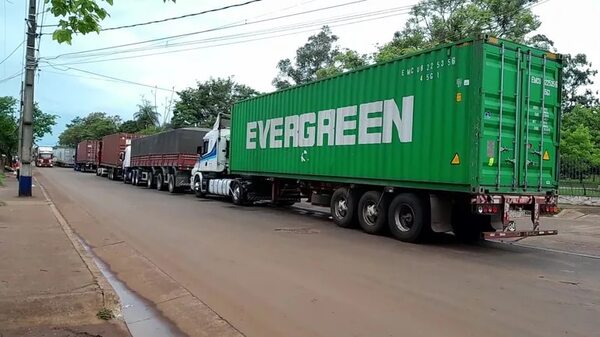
{"type": "Point", "coordinates": [164, 160]}
{"type": "Point", "coordinates": [86, 156]}
{"type": "Point", "coordinates": [112, 150]}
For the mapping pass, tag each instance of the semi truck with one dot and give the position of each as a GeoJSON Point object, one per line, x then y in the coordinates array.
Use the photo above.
{"type": "Point", "coordinates": [112, 149]}
{"type": "Point", "coordinates": [462, 137]}
{"type": "Point", "coordinates": [163, 160]}
{"type": "Point", "coordinates": [64, 156]}
{"type": "Point", "coordinates": [87, 156]}
{"type": "Point", "coordinates": [43, 156]}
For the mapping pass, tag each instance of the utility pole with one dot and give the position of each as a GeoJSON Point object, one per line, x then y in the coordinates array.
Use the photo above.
{"type": "Point", "coordinates": [27, 117]}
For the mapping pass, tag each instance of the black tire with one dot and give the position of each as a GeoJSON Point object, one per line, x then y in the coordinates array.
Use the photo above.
{"type": "Point", "coordinates": [409, 217]}
{"type": "Point", "coordinates": [134, 178]}
{"type": "Point", "coordinates": [372, 212]}
{"type": "Point", "coordinates": [343, 207]}
{"type": "Point", "coordinates": [160, 182]}
{"type": "Point", "coordinates": [150, 181]}
{"type": "Point", "coordinates": [238, 194]}
{"type": "Point", "coordinates": [197, 188]}
{"type": "Point", "coordinates": [109, 175]}
{"type": "Point", "coordinates": [171, 183]}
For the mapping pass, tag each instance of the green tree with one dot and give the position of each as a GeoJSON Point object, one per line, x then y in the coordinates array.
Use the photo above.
{"type": "Point", "coordinates": [129, 126]}
{"type": "Point", "coordinates": [146, 116]}
{"type": "Point", "coordinates": [345, 60]}
{"type": "Point", "coordinates": [8, 126]}
{"type": "Point", "coordinates": [577, 149]}
{"type": "Point", "coordinates": [582, 116]}
{"type": "Point", "coordinates": [577, 74]}
{"type": "Point", "coordinates": [77, 16]}
{"type": "Point", "coordinates": [42, 123]}
{"type": "Point", "coordinates": [94, 126]}
{"type": "Point", "coordinates": [200, 106]}
{"type": "Point", "coordinates": [432, 22]}
{"type": "Point", "coordinates": [318, 53]}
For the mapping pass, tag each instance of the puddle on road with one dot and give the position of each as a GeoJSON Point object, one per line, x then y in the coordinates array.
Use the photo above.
{"type": "Point", "coordinates": [142, 319]}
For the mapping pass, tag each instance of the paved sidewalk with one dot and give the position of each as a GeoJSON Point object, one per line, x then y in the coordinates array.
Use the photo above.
{"type": "Point", "coordinates": [48, 285]}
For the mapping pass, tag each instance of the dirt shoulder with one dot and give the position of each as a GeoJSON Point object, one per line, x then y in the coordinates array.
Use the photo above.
{"type": "Point", "coordinates": [47, 282]}
{"type": "Point", "coordinates": [187, 313]}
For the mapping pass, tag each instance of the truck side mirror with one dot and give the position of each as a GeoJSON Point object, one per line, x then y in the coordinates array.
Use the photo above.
{"type": "Point", "coordinates": [199, 150]}
{"type": "Point", "coordinates": [121, 156]}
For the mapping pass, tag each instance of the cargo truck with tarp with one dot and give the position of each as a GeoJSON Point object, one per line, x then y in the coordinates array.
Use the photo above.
{"type": "Point", "coordinates": [163, 160]}
{"type": "Point", "coordinates": [461, 137]}
{"type": "Point", "coordinates": [112, 150]}
{"type": "Point", "coordinates": [87, 156]}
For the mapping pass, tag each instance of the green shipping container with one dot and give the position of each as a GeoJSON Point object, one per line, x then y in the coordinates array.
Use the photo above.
{"type": "Point", "coordinates": [480, 115]}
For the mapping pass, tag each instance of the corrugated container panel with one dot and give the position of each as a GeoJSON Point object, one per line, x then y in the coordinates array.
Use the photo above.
{"type": "Point", "coordinates": [87, 151]}
{"type": "Point", "coordinates": [428, 120]}
{"type": "Point", "coordinates": [112, 146]}
{"type": "Point", "coordinates": [64, 155]}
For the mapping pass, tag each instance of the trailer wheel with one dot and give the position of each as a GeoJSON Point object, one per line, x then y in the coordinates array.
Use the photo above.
{"type": "Point", "coordinates": [110, 174]}
{"type": "Point", "coordinates": [343, 207]}
{"type": "Point", "coordinates": [238, 194]}
{"type": "Point", "coordinates": [150, 181]}
{"type": "Point", "coordinates": [409, 218]}
{"type": "Point", "coordinates": [171, 183]}
{"type": "Point", "coordinates": [372, 212]}
{"type": "Point", "coordinates": [160, 182]}
{"type": "Point", "coordinates": [197, 187]}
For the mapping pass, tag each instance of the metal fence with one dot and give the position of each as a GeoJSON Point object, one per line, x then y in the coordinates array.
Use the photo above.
{"type": "Point", "coordinates": [579, 178]}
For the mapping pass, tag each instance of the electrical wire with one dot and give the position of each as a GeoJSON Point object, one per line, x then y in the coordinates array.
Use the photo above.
{"type": "Point", "coordinates": [55, 66]}
{"type": "Point", "coordinates": [217, 45]}
{"type": "Point", "coordinates": [11, 77]}
{"type": "Point", "coordinates": [201, 31]}
{"type": "Point", "coordinates": [14, 51]}
{"type": "Point", "coordinates": [182, 16]}
{"type": "Point", "coordinates": [253, 33]}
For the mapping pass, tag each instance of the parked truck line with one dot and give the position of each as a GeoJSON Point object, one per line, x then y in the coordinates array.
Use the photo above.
{"type": "Point", "coordinates": [457, 138]}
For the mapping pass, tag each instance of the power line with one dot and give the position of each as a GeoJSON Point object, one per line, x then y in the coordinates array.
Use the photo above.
{"type": "Point", "coordinates": [202, 31]}
{"type": "Point", "coordinates": [182, 16]}
{"type": "Point", "coordinates": [295, 26]}
{"type": "Point", "coordinates": [108, 77]}
{"type": "Point", "coordinates": [223, 44]}
{"type": "Point", "coordinates": [14, 51]}
{"type": "Point", "coordinates": [11, 77]}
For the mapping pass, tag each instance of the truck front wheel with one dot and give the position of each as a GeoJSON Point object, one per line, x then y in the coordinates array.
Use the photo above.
{"type": "Point", "coordinates": [408, 218]}
{"type": "Point", "coordinates": [343, 207]}
{"type": "Point", "coordinates": [198, 188]}
{"type": "Point", "coordinates": [372, 209]}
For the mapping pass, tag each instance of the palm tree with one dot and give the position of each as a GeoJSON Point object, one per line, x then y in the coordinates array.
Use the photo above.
{"type": "Point", "coordinates": [146, 116]}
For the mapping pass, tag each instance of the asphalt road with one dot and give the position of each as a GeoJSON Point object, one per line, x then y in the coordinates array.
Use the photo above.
{"type": "Point", "coordinates": [284, 272]}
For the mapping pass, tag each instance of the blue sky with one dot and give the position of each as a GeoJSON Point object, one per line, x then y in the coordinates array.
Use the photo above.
{"type": "Point", "coordinates": [69, 93]}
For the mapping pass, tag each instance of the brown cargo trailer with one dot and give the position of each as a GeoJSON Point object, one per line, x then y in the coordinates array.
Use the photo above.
{"type": "Point", "coordinates": [111, 154]}
{"type": "Point", "coordinates": [164, 159]}
{"type": "Point", "coordinates": [86, 156]}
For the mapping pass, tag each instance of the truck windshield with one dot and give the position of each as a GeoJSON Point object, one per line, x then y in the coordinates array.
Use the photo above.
{"type": "Point", "coordinates": [45, 155]}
